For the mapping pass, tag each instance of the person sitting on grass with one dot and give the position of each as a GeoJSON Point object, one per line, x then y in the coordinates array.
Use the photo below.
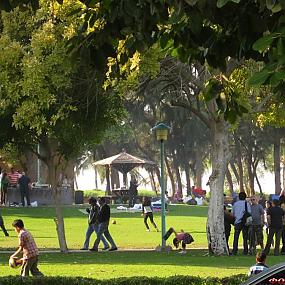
{"type": "Point", "coordinates": [260, 265]}
{"type": "Point", "coordinates": [183, 238]}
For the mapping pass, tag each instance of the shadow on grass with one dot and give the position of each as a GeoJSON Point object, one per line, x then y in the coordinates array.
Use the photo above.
{"type": "Point", "coordinates": [193, 257]}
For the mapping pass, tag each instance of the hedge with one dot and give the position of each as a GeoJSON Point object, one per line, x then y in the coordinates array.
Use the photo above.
{"type": "Point", "coordinates": [174, 280]}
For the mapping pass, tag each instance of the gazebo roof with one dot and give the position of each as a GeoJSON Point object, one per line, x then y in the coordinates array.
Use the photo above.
{"type": "Point", "coordinates": [124, 162]}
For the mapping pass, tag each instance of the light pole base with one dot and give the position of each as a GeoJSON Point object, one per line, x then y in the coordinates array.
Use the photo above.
{"type": "Point", "coordinates": [166, 248]}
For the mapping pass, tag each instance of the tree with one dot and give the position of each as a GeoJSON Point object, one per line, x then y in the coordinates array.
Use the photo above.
{"type": "Point", "coordinates": [58, 101]}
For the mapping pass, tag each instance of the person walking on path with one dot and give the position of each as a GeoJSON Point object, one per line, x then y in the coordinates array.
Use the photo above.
{"type": "Point", "coordinates": [260, 265]}
{"type": "Point", "coordinates": [147, 212]}
{"type": "Point", "coordinates": [93, 224]}
{"type": "Point", "coordinates": [4, 188]}
{"type": "Point", "coordinates": [2, 226]}
{"type": "Point", "coordinates": [275, 217]}
{"type": "Point", "coordinates": [256, 234]}
{"type": "Point", "coordinates": [25, 184]}
{"type": "Point", "coordinates": [239, 209]}
{"type": "Point", "coordinates": [103, 220]}
{"type": "Point", "coordinates": [29, 248]}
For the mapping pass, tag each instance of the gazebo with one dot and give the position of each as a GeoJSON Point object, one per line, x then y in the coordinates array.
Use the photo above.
{"type": "Point", "coordinates": [124, 163]}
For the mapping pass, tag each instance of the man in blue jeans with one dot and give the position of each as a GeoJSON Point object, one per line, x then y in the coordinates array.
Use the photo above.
{"type": "Point", "coordinates": [239, 209]}
{"type": "Point", "coordinates": [103, 220]}
{"type": "Point", "coordinates": [93, 224]}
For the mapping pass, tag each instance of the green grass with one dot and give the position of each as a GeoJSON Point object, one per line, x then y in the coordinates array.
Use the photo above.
{"type": "Point", "coordinates": [128, 232]}
{"type": "Point", "coordinates": [104, 265]}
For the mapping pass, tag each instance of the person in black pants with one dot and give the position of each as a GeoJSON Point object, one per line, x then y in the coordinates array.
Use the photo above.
{"type": "Point", "coordinates": [274, 216]}
{"type": "Point", "coordinates": [2, 226]}
{"type": "Point", "coordinates": [239, 209]}
{"type": "Point", "coordinates": [148, 213]}
{"type": "Point", "coordinates": [103, 220]}
{"type": "Point", "coordinates": [24, 183]}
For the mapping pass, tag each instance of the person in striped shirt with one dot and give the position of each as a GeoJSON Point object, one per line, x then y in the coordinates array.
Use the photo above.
{"type": "Point", "coordinates": [13, 178]}
{"type": "Point", "coordinates": [260, 265]}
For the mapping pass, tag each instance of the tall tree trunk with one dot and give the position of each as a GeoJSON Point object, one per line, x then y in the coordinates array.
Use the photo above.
{"type": "Point", "coordinates": [170, 175]}
{"type": "Point", "coordinates": [277, 159]}
{"type": "Point", "coordinates": [108, 185]}
{"type": "Point", "coordinates": [188, 181]}
{"type": "Point", "coordinates": [199, 167]}
{"type": "Point", "coordinates": [230, 180]}
{"type": "Point", "coordinates": [220, 157]}
{"type": "Point", "coordinates": [152, 181]}
{"type": "Point", "coordinates": [53, 161]}
{"type": "Point", "coordinates": [240, 166]}
{"type": "Point", "coordinates": [250, 173]}
{"type": "Point", "coordinates": [179, 182]}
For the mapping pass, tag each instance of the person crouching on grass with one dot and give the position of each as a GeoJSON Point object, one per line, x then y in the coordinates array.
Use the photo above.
{"type": "Point", "coordinates": [183, 238]}
{"type": "Point", "coordinates": [29, 248]}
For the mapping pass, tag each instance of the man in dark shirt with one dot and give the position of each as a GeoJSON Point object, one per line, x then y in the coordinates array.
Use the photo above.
{"type": "Point", "coordinates": [24, 183]}
{"type": "Point", "coordinates": [274, 216]}
{"type": "Point", "coordinates": [103, 220]}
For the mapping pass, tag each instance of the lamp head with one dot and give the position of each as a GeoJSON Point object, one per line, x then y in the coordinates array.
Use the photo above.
{"type": "Point", "coordinates": [161, 130]}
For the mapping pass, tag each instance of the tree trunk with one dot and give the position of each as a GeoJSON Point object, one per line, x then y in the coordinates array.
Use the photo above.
{"type": "Point", "coordinates": [179, 183]}
{"type": "Point", "coordinates": [170, 175]}
{"type": "Point", "coordinates": [53, 162]}
{"type": "Point", "coordinates": [188, 181]}
{"type": "Point", "coordinates": [220, 157]}
{"type": "Point", "coordinates": [277, 169]}
{"type": "Point", "coordinates": [250, 171]}
{"type": "Point", "coordinates": [199, 167]}
{"type": "Point", "coordinates": [240, 166]}
{"type": "Point", "coordinates": [108, 185]}
{"type": "Point", "coordinates": [230, 181]}
{"type": "Point", "coordinates": [152, 181]}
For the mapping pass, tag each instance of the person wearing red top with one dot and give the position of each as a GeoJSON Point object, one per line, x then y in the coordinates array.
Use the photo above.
{"type": "Point", "coordinates": [29, 248]}
{"type": "Point", "coordinates": [13, 177]}
{"type": "Point", "coordinates": [183, 238]}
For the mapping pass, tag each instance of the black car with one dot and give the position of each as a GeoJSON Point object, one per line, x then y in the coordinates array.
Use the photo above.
{"type": "Point", "coordinates": [274, 275]}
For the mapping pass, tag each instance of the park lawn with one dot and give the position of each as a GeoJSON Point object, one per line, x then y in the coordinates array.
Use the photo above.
{"type": "Point", "coordinates": [128, 232]}
{"type": "Point", "coordinates": [106, 265]}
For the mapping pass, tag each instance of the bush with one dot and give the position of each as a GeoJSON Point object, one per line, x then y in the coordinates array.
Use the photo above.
{"type": "Point", "coordinates": [174, 280]}
{"type": "Point", "coordinates": [93, 193]}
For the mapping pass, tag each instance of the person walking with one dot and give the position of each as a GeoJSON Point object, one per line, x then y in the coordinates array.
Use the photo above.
{"type": "Point", "coordinates": [25, 184]}
{"type": "Point", "coordinates": [147, 212]}
{"type": "Point", "coordinates": [4, 188]}
{"type": "Point", "coordinates": [256, 233]}
{"type": "Point", "coordinates": [93, 224]}
{"type": "Point", "coordinates": [239, 209]}
{"type": "Point", "coordinates": [29, 248]}
{"type": "Point", "coordinates": [275, 220]}
{"type": "Point", "coordinates": [103, 226]}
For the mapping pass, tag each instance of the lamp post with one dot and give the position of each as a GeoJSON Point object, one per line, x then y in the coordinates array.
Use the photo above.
{"type": "Point", "coordinates": [161, 130]}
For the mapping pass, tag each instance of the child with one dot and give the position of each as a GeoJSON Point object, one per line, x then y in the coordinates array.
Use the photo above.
{"type": "Point", "coordinates": [147, 213]}
{"type": "Point", "coordinates": [183, 238]}
{"type": "Point", "coordinates": [29, 248]}
{"type": "Point", "coordinates": [260, 265]}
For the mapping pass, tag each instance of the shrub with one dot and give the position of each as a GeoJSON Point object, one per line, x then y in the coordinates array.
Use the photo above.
{"type": "Point", "coordinates": [173, 280]}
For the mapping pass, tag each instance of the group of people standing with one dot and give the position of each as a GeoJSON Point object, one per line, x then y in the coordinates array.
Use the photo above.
{"type": "Point", "coordinates": [249, 217]}
{"type": "Point", "coordinates": [15, 179]}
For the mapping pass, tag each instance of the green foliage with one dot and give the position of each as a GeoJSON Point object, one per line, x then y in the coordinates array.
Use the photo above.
{"type": "Point", "coordinates": [234, 280]}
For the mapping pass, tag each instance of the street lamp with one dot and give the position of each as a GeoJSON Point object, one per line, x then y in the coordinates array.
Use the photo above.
{"type": "Point", "coordinates": [161, 130]}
